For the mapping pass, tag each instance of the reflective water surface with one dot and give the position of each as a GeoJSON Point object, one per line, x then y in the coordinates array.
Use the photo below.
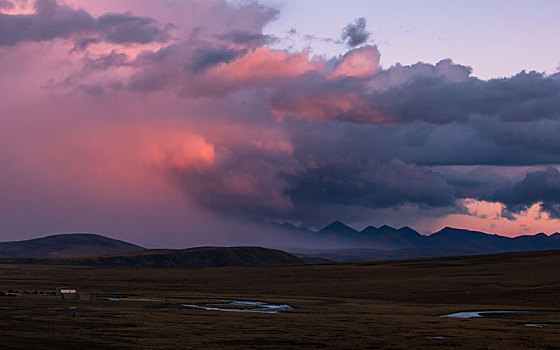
{"type": "Point", "coordinates": [472, 314]}
{"type": "Point", "coordinates": [253, 306]}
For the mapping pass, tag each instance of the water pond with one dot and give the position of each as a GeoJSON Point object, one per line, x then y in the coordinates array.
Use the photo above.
{"type": "Point", "coordinates": [543, 325]}
{"type": "Point", "coordinates": [489, 313]}
{"type": "Point", "coordinates": [241, 306]}
{"type": "Point", "coordinates": [474, 314]}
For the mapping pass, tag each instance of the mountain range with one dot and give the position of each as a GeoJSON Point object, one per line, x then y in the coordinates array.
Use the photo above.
{"type": "Point", "coordinates": [336, 242]}
{"type": "Point", "coordinates": [386, 237]}
{"type": "Point", "coordinates": [385, 242]}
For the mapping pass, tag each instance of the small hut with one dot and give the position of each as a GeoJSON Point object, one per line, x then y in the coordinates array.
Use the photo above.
{"type": "Point", "coordinates": [66, 293]}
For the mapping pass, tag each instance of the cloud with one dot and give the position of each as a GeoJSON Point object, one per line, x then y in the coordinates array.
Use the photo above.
{"type": "Point", "coordinates": [6, 5]}
{"type": "Point", "coordinates": [355, 33]}
{"type": "Point", "coordinates": [104, 62]}
{"type": "Point", "coordinates": [478, 181]}
{"type": "Point", "coordinates": [271, 184]}
{"type": "Point", "coordinates": [127, 28]}
{"type": "Point", "coordinates": [541, 187]}
{"type": "Point", "coordinates": [362, 62]}
{"type": "Point", "coordinates": [261, 66]}
{"type": "Point", "coordinates": [373, 184]}
{"type": "Point", "coordinates": [52, 20]}
{"type": "Point", "coordinates": [206, 57]}
{"type": "Point", "coordinates": [432, 93]}
{"type": "Point", "coordinates": [438, 94]}
{"type": "Point", "coordinates": [246, 38]}
{"type": "Point", "coordinates": [211, 119]}
{"type": "Point", "coordinates": [238, 185]}
{"type": "Point", "coordinates": [362, 109]}
{"type": "Point", "coordinates": [216, 71]}
{"type": "Point", "coordinates": [82, 43]}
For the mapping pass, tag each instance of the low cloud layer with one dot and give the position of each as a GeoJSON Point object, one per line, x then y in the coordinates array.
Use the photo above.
{"type": "Point", "coordinates": [205, 113]}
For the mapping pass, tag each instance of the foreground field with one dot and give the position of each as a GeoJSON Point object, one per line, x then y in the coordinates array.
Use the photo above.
{"type": "Point", "coordinates": [388, 305]}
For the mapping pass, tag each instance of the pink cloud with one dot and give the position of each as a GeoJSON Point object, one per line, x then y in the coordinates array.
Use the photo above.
{"type": "Point", "coordinates": [324, 105]}
{"type": "Point", "coordinates": [263, 66]}
{"type": "Point", "coordinates": [361, 62]}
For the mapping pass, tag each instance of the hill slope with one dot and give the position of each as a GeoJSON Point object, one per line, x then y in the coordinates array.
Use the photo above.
{"type": "Point", "coordinates": [65, 246]}
{"type": "Point", "coordinates": [191, 257]}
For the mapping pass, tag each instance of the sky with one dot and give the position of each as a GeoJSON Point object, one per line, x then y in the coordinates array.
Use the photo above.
{"type": "Point", "coordinates": [496, 38]}
{"type": "Point", "coordinates": [186, 122]}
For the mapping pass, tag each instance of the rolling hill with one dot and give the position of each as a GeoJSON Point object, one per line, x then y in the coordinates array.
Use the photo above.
{"type": "Point", "coordinates": [191, 257]}
{"type": "Point", "coordinates": [65, 246]}
{"type": "Point", "coordinates": [98, 250]}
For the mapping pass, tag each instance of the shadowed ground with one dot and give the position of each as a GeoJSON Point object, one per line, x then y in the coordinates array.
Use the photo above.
{"type": "Point", "coordinates": [389, 305]}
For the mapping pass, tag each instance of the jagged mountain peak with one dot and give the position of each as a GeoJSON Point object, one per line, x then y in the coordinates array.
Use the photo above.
{"type": "Point", "coordinates": [369, 229]}
{"type": "Point", "coordinates": [337, 227]}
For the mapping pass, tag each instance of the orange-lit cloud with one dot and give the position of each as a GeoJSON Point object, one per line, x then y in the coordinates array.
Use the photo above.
{"type": "Point", "coordinates": [181, 151]}
{"type": "Point", "coordinates": [263, 66]}
{"type": "Point", "coordinates": [487, 217]}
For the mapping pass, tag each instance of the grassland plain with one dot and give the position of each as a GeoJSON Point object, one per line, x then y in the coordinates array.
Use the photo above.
{"type": "Point", "coordinates": [380, 305]}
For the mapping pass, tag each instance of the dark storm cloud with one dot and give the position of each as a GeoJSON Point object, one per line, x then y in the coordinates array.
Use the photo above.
{"type": "Point", "coordinates": [433, 144]}
{"type": "Point", "coordinates": [539, 186]}
{"type": "Point", "coordinates": [480, 181]}
{"type": "Point", "coordinates": [52, 20]}
{"type": "Point", "coordinates": [271, 184]}
{"type": "Point", "coordinates": [355, 33]}
{"type": "Point", "coordinates": [370, 185]}
{"type": "Point", "coordinates": [439, 94]}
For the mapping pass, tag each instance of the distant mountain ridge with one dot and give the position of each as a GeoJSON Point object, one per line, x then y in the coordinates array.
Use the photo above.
{"type": "Point", "coordinates": [66, 246]}
{"type": "Point", "coordinates": [406, 242]}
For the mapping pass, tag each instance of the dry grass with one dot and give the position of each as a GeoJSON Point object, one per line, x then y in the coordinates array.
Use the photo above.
{"type": "Point", "coordinates": [388, 305]}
